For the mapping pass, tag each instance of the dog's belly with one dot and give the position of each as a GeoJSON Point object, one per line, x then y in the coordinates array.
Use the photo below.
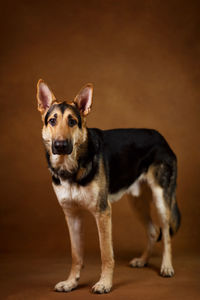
{"type": "Point", "coordinates": [133, 189]}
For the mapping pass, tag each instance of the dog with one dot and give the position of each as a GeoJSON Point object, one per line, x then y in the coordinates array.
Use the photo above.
{"type": "Point", "coordinates": [91, 168]}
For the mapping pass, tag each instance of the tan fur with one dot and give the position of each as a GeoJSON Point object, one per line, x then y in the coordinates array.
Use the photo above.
{"type": "Point", "coordinates": [103, 220]}
{"type": "Point", "coordinates": [40, 107]}
{"type": "Point", "coordinates": [77, 98]}
{"type": "Point", "coordinates": [62, 131]}
{"type": "Point", "coordinates": [164, 216]}
{"type": "Point", "coordinates": [74, 221]}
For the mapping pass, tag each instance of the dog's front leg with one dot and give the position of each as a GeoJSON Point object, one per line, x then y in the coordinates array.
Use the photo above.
{"type": "Point", "coordinates": [103, 220]}
{"type": "Point", "coordinates": [74, 222]}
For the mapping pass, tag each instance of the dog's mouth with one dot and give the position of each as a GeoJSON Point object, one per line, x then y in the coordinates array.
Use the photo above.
{"type": "Point", "coordinates": [62, 147]}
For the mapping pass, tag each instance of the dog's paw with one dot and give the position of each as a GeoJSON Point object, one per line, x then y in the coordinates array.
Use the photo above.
{"type": "Point", "coordinates": [101, 287]}
{"type": "Point", "coordinates": [166, 271]}
{"type": "Point", "coordinates": [66, 286]}
{"type": "Point", "coordinates": [138, 263]}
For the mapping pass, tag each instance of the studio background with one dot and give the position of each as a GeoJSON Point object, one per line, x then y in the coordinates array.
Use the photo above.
{"type": "Point", "coordinates": [143, 59]}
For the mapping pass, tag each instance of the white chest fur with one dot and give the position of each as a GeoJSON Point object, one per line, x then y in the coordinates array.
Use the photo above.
{"type": "Point", "coordinates": [72, 194]}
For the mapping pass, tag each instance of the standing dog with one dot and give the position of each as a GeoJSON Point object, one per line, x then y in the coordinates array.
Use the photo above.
{"type": "Point", "coordinates": [91, 168]}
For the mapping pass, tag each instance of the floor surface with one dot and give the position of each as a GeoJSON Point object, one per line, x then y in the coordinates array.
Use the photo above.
{"type": "Point", "coordinates": [34, 278]}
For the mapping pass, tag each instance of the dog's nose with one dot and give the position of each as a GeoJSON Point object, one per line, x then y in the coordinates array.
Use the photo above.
{"type": "Point", "coordinates": [59, 145]}
{"type": "Point", "coordinates": [62, 147]}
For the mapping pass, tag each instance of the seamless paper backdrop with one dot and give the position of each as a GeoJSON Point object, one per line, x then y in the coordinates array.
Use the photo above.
{"type": "Point", "coordinates": [143, 59]}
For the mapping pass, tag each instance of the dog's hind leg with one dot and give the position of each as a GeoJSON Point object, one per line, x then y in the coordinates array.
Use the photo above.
{"type": "Point", "coordinates": [162, 180]}
{"type": "Point", "coordinates": [141, 206]}
{"type": "Point", "coordinates": [74, 222]}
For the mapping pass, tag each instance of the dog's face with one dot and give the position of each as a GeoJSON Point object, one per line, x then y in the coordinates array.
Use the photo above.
{"type": "Point", "coordinates": [64, 123]}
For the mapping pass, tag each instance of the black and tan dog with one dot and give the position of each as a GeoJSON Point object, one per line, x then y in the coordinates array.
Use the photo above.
{"type": "Point", "coordinates": [91, 168]}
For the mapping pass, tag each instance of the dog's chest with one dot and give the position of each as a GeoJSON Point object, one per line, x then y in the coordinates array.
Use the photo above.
{"type": "Point", "coordinates": [72, 194]}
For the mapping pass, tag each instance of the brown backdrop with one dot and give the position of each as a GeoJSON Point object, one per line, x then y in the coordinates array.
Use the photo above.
{"type": "Point", "coordinates": [143, 59]}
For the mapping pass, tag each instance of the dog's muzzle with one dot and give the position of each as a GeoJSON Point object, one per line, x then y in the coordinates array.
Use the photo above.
{"type": "Point", "coordinates": [62, 147]}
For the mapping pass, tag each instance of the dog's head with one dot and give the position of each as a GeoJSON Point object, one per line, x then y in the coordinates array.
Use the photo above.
{"type": "Point", "coordinates": [64, 122]}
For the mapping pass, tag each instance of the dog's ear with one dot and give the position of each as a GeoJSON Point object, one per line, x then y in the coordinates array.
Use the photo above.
{"type": "Point", "coordinates": [84, 99]}
{"type": "Point", "coordinates": [44, 96]}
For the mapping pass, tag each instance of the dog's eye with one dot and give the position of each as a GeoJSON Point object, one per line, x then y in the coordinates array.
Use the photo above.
{"type": "Point", "coordinates": [71, 122]}
{"type": "Point", "coordinates": [52, 121]}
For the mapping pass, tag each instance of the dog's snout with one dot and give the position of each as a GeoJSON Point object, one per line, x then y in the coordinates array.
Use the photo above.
{"type": "Point", "coordinates": [62, 147]}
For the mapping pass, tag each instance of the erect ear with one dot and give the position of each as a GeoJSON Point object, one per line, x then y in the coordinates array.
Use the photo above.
{"type": "Point", "coordinates": [44, 96]}
{"type": "Point", "coordinates": [84, 99]}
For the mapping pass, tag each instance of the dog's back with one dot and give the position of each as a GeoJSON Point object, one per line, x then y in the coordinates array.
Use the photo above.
{"type": "Point", "coordinates": [130, 152]}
